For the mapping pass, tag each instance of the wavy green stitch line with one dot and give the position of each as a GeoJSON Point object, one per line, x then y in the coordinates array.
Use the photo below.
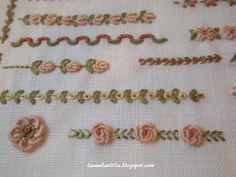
{"type": "Point", "coordinates": [144, 96]}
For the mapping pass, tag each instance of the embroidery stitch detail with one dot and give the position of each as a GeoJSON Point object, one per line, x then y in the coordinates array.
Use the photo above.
{"type": "Point", "coordinates": [66, 65]}
{"type": "Point", "coordinates": [181, 60]}
{"type": "Point", "coordinates": [0, 58]}
{"type": "Point", "coordinates": [144, 96]}
{"type": "Point", "coordinates": [147, 133]}
{"type": "Point", "coordinates": [210, 34]}
{"type": "Point", "coordinates": [10, 18]}
{"type": "Point", "coordinates": [99, 19]}
{"type": "Point", "coordinates": [207, 3]}
{"type": "Point", "coordinates": [233, 59]}
{"type": "Point", "coordinates": [35, 43]}
{"type": "Point", "coordinates": [28, 133]}
{"type": "Point", "coordinates": [233, 91]}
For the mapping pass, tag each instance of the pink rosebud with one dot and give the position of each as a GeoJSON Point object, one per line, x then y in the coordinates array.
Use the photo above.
{"type": "Point", "coordinates": [102, 133]}
{"type": "Point", "coordinates": [101, 66]}
{"type": "Point", "coordinates": [192, 135]}
{"type": "Point", "coordinates": [132, 18]}
{"type": "Point", "coordinates": [35, 19]}
{"type": "Point", "coordinates": [148, 17]}
{"type": "Point", "coordinates": [73, 66]}
{"type": "Point", "coordinates": [66, 20]}
{"type": "Point", "coordinates": [98, 19]}
{"type": "Point", "coordinates": [146, 133]}
{"type": "Point", "coordinates": [50, 19]}
{"type": "Point", "coordinates": [115, 19]}
{"type": "Point", "coordinates": [82, 19]}
{"type": "Point", "coordinates": [47, 67]}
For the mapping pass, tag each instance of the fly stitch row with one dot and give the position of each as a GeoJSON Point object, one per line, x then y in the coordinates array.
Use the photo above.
{"type": "Point", "coordinates": [98, 19]}
{"type": "Point", "coordinates": [66, 65]}
{"type": "Point", "coordinates": [37, 42]}
{"type": "Point", "coordinates": [143, 95]}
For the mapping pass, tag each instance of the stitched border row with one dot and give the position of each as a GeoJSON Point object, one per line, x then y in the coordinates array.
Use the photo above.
{"type": "Point", "coordinates": [37, 42]}
{"type": "Point", "coordinates": [66, 65]}
{"type": "Point", "coordinates": [181, 60]}
{"type": "Point", "coordinates": [207, 3]}
{"type": "Point", "coordinates": [98, 19]}
{"type": "Point", "coordinates": [144, 96]}
{"type": "Point", "coordinates": [147, 133]}
{"type": "Point", "coordinates": [10, 18]}
{"type": "Point", "coordinates": [212, 33]}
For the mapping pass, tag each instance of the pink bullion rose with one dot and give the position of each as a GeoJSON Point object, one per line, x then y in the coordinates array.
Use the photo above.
{"type": "Point", "coordinates": [115, 19]}
{"type": "Point", "coordinates": [28, 133]}
{"type": "Point", "coordinates": [146, 133]}
{"type": "Point", "coordinates": [66, 20]}
{"type": "Point", "coordinates": [229, 32]}
{"type": "Point", "coordinates": [82, 20]}
{"type": "Point", "coordinates": [100, 66]}
{"type": "Point", "coordinates": [73, 66]}
{"type": "Point", "coordinates": [102, 133]}
{"type": "Point", "coordinates": [148, 17]}
{"type": "Point", "coordinates": [98, 19]}
{"type": "Point", "coordinates": [132, 17]}
{"type": "Point", "coordinates": [50, 19]}
{"type": "Point", "coordinates": [192, 135]}
{"type": "Point", "coordinates": [35, 19]}
{"type": "Point", "coordinates": [47, 67]}
{"type": "Point", "coordinates": [205, 33]}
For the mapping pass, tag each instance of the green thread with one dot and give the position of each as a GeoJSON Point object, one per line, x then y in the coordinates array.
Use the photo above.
{"type": "Point", "coordinates": [214, 136]}
{"type": "Point", "coordinates": [233, 59]}
{"type": "Point", "coordinates": [144, 96]}
{"type": "Point", "coordinates": [207, 3]}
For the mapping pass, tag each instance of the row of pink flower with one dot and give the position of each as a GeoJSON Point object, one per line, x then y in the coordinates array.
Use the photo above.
{"type": "Point", "coordinates": [146, 133]}
{"type": "Point", "coordinates": [51, 19]}
{"type": "Point", "coordinates": [209, 33]}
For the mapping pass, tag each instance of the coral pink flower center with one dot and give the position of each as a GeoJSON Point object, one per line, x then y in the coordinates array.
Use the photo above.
{"type": "Point", "coordinates": [27, 129]}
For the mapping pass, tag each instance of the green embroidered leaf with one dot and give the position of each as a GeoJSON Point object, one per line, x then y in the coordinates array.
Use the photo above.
{"type": "Point", "coordinates": [160, 95]}
{"type": "Point", "coordinates": [142, 95]}
{"type": "Point", "coordinates": [233, 59]}
{"type": "Point", "coordinates": [17, 95]}
{"type": "Point", "coordinates": [80, 97]}
{"type": "Point", "coordinates": [3, 96]}
{"type": "Point", "coordinates": [141, 15]}
{"type": "Point", "coordinates": [48, 96]}
{"type": "Point", "coordinates": [35, 67]}
{"type": "Point", "coordinates": [63, 96]}
{"type": "Point", "coordinates": [193, 34]}
{"type": "Point", "coordinates": [26, 20]}
{"type": "Point", "coordinates": [90, 19]}
{"type": "Point", "coordinates": [63, 65]}
{"type": "Point", "coordinates": [175, 95]}
{"type": "Point", "coordinates": [112, 96]}
{"type": "Point", "coordinates": [123, 17]}
{"type": "Point", "coordinates": [193, 95]}
{"type": "Point", "coordinates": [32, 96]}
{"type": "Point", "coordinates": [127, 96]}
{"type": "Point", "coordinates": [96, 96]}
{"type": "Point", "coordinates": [89, 65]}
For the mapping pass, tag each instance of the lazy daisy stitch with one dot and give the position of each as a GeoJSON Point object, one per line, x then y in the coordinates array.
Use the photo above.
{"type": "Point", "coordinates": [207, 3]}
{"type": "Point", "coordinates": [147, 133]}
{"type": "Point", "coordinates": [79, 20]}
{"type": "Point", "coordinates": [143, 95]}
{"type": "Point", "coordinates": [37, 42]}
{"type": "Point", "coordinates": [210, 34]}
{"type": "Point", "coordinates": [66, 66]}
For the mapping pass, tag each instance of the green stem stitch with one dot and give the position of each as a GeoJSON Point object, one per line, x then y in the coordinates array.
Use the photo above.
{"type": "Point", "coordinates": [233, 59]}
{"type": "Point", "coordinates": [144, 96]}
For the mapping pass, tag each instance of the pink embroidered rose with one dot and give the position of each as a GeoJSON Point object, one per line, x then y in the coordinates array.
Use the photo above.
{"type": "Point", "coordinates": [66, 20]}
{"type": "Point", "coordinates": [28, 133]}
{"type": "Point", "coordinates": [146, 133]}
{"type": "Point", "coordinates": [191, 3]}
{"type": "Point", "coordinates": [98, 19]}
{"type": "Point", "coordinates": [50, 19]}
{"type": "Point", "coordinates": [192, 135]}
{"type": "Point", "coordinates": [115, 19]}
{"type": "Point", "coordinates": [151, 95]}
{"type": "Point", "coordinates": [148, 17]}
{"type": "Point", "coordinates": [119, 95]}
{"type": "Point", "coordinates": [182, 96]}
{"type": "Point", "coordinates": [102, 133]}
{"type": "Point", "coordinates": [229, 32]}
{"type": "Point", "coordinates": [211, 2]}
{"type": "Point", "coordinates": [73, 66]}
{"type": "Point", "coordinates": [167, 95]}
{"type": "Point", "coordinates": [132, 18]}
{"type": "Point", "coordinates": [232, 2]}
{"type": "Point", "coordinates": [47, 67]}
{"type": "Point", "coordinates": [82, 19]}
{"type": "Point", "coordinates": [87, 97]}
{"type": "Point", "coordinates": [100, 66]}
{"type": "Point", "coordinates": [35, 19]}
{"type": "Point", "coordinates": [205, 33]}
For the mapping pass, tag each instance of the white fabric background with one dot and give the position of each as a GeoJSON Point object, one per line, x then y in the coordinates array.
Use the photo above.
{"type": "Point", "coordinates": [61, 156]}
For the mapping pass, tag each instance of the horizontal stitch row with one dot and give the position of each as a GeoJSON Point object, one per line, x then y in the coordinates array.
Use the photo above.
{"type": "Point", "coordinates": [181, 60]}
{"type": "Point", "coordinates": [66, 65]}
{"type": "Point", "coordinates": [98, 19]}
{"type": "Point", "coordinates": [143, 95]}
{"type": "Point", "coordinates": [210, 33]}
{"type": "Point", "coordinates": [147, 133]}
{"type": "Point", "coordinates": [37, 42]}
{"type": "Point", "coordinates": [207, 3]}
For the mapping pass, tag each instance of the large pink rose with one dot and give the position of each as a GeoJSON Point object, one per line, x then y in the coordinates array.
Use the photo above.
{"type": "Point", "coordinates": [73, 66]}
{"type": "Point", "coordinates": [47, 67]}
{"type": "Point", "coordinates": [100, 66]}
{"type": "Point", "coordinates": [82, 20]}
{"type": "Point", "coordinates": [148, 17]}
{"type": "Point", "coordinates": [102, 133]}
{"type": "Point", "coordinates": [146, 133]}
{"type": "Point", "coordinates": [192, 135]}
{"type": "Point", "coordinates": [66, 20]}
{"type": "Point", "coordinates": [132, 18]}
{"type": "Point", "coordinates": [28, 133]}
{"type": "Point", "coordinates": [50, 19]}
{"type": "Point", "coordinates": [35, 19]}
